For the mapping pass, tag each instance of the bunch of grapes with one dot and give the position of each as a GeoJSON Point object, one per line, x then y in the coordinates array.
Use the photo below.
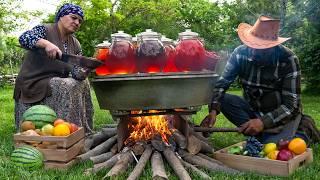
{"type": "Point", "coordinates": [253, 147]}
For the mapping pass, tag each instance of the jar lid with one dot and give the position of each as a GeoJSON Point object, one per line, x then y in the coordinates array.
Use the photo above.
{"type": "Point", "coordinates": [150, 34]}
{"type": "Point", "coordinates": [166, 40]}
{"type": "Point", "coordinates": [121, 35]}
{"type": "Point", "coordinates": [188, 34]}
{"type": "Point", "coordinates": [104, 44]}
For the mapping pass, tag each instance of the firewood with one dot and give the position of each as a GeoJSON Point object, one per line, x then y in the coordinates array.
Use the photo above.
{"type": "Point", "coordinates": [99, 137]}
{"type": "Point", "coordinates": [121, 166]}
{"type": "Point", "coordinates": [180, 139]}
{"type": "Point", "coordinates": [194, 145]}
{"type": "Point", "coordinates": [158, 171]}
{"type": "Point", "coordinates": [135, 174]}
{"type": "Point", "coordinates": [104, 165]}
{"type": "Point", "coordinates": [138, 149]}
{"type": "Point", "coordinates": [176, 165]}
{"type": "Point", "coordinates": [114, 148]}
{"type": "Point", "coordinates": [217, 129]}
{"type": "Point", "coordinates": [199, 161]}
{"type": "Point", "coordinates": [210, 159]}
{"type": "Point", "coordinates": [101, 158]}
{"type": "Point", "coordinates": [195, 169]}
{"type": "Point", "coordinates": [158, 145]}
{"type": "Point", "coordinates": [102, 148]}
{"type": "Point", "coordinates": [200, 136]}
{"type": "Point", "coordinates": [206, 148]}
{"type": "Point", "coordinates": [110, 125]}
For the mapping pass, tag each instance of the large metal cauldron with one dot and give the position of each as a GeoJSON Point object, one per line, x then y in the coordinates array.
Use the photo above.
{"type": "Point", "coordinates": [154, 91]}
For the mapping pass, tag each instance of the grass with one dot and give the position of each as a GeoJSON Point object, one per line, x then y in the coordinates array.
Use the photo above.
{"type": "Point", "coordinates": [8, 171]}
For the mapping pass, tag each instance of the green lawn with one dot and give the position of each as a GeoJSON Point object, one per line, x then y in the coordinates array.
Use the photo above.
{"type": "Point", "coordinates": [8, 171]}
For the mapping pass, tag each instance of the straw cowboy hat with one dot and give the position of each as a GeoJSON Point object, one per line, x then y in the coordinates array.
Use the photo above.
{"type": "Point", "coordinates": [262, 35]}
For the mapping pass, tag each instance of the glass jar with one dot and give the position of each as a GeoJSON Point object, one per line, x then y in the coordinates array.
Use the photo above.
{"type": "Point", "coordinates": [150, 52]}
{"type": "Point", "coordinates": [170, 54]}
{"type": "Point", "coordinates": [190, 52]}
{"type": "Point", "coordinates": [102, 53]}
{"type": "Point", "coordinates": [121, 56]}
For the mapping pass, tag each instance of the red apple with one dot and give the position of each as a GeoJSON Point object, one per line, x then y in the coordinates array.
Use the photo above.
{"type": "Point", "coordinates": [73, 128]}
{"type": "Point", "coordinates": [284, 155]}
{"type": "Point", "coordinates": [283, 144]}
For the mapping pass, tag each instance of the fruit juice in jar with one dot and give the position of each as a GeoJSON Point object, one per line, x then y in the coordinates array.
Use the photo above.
{"type": "Point", "coordinates": [170, 55]}
{"type": "Point", "coordinates": [150, 53]}
{"type": "Point", "coordinates": [121, 55]}
{"type": "Point", "coordinates": [102, 53]}
{"type": "Point", "coordinates": [190, 53]}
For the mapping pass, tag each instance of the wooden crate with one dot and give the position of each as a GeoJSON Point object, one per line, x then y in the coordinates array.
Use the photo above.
{"type": "Point", "coordinates": [263, 165]}
{"type": "Point", "coordinates": [59, 151]}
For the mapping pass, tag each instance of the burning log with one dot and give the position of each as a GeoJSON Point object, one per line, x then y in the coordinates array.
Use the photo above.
{"type": "Point", "coordinates": [135, 174]}
{"type": "Point", "coordinates": [102, 148]}
{"type": "Point", "coordinates": [97, 138]}
{"type": "Point", "coordinates": [199, 161]}
{"type": "Point", "coordinates": [138, 148]}
{"type": "Point", "coordinates": [176, 164]}
{"type": "Point", "coordinates": [180, 139]}
{"type": "Point", "coordinates": [101, 158]}
{"type": "Point", "coordinates": [121, 166]}
{"type": "Point", "coordinates": [105, 165]}
{"type": "Point", "coordinates": [158, 145]}
{"type": "Point", "coordinates": [194, 145]}
{"type": "Point", "coordinates": [158, 171]}
{"type": "Point", "coordinates": [195, 170]}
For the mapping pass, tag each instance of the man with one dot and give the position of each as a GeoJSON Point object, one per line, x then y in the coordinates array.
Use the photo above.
{"type": "Point", "coordinates": [270, 77]}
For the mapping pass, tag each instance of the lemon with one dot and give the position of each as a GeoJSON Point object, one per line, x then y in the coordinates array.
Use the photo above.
{"type": "Point", "coordinates": [269, 148]}
{"type": "Point", "coordinates": [273, 154]}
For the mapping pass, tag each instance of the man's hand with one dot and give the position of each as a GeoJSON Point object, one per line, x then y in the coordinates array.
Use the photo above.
{"type": "Point", "coordinates": [252, 127]}
{"type": "Point", "coordinates": [209, 120]}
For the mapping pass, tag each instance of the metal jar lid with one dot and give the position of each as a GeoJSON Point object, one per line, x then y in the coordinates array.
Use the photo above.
{"type": "Point", "coordinates": [104, 44]}
{"type": "Point", "coordinates": [188, 34]}
{"type": "Point", "coordinates": [121, 35]}
{"type": "Point", "coordinates": [149, 34]}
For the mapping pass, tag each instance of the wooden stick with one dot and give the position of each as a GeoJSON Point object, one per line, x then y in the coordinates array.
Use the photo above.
{"type": "Point", "coordinates": [194, 169]}
{"type": "Point", "coordinates": [217, 129]}
{"type": "Point", "coordinates": [99, 137]}
{"type": "Point", "coordinates": [199, 161]}
{"type": "Point", "coordinates": [206, 148]}
{"type": "Point", "coordinates": [135, 174]}
{"type": "Point", "coordinates": [102, 148]}
{"type": "Point", "coordinates": [210, 159]}
{"type": "Point", "coordinates": [121, 166]}
{"type": "Point", "coordinates": [180, 139]}
{"type": "Point", "coordinates": [176, 165]}
{"type": "Point", "coordinates": [158, 171]}
{"type": "Point", "coordinates": [105, 165]}
{"type": "Point", "coordinates": [194, 145]}
{"type": "Point", "coordinates": [200, 136]}
{"type": "Point", "coordinates": [101, 158]}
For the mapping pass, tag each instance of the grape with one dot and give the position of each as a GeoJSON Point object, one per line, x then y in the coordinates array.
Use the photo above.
{"type": "Point", "coordinates": [253, 147]}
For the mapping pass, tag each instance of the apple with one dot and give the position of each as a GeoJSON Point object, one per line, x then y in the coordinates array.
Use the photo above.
{"type": "Point", "coordinates": [73, 128]}
{"type": "Point", "coordinates": [47, 130]}
{"type": "Point", "coordinates": [284, 155]}
{"type": "Point", "coordinates": [283, 144]}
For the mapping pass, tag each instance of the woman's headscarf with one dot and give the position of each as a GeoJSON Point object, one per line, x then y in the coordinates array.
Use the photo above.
{"type": "Point", "coordinates": [69, 8]}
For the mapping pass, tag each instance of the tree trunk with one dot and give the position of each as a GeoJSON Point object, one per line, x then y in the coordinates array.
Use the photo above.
{"type": "Point", "coordinates": [158, 171]}
{"type": "Point", "coordinates": [135, 174]}
{"type": "Point", "coordinates": [176, 164]}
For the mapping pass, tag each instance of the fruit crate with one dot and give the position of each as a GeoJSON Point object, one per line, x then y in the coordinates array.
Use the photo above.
{"type": "Point", "coordinates": [59, 151]}
{"type": "Point", "coordinates": [263, 165]}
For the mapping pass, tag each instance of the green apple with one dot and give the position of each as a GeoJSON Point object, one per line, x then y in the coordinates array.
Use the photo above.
{"type": "Point", "coordinates": [47, 130]}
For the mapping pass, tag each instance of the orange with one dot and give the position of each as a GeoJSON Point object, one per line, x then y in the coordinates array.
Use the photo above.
{"type": "Point", "coordinates": [297, 146]}
{"type": "Point", "coordinates": [61, 130]}
{"type": "Point", "coordinates": [58, 121]}
{"type": "Point", "coordinates": [68, 124]}
{"type": "Point", "coordinates": [273, 154]}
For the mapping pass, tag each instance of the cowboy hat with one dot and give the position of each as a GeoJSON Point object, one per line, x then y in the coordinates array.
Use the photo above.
{"type": "Point", "coordinates": [262, 35]}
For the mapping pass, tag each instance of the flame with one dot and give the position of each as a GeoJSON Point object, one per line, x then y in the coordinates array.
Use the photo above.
{"type": "Point", "coordinates": [145, 128]}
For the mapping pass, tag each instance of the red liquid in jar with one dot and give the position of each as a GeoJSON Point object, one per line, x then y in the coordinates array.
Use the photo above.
{"type": "Point", "coordinates": [190, 55]}
{"type": "Point", "coordinates": [102, 55]}
{"type": "Point", "coordinates": [150, 57]}
{"type": "Point", "coordinates": [121, 58]}
{"type": "Point", "coordinates": [170, 55]}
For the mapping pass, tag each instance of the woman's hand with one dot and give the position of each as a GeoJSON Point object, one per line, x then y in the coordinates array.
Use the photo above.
{"type": "Point", "coordinates": [52, 50]}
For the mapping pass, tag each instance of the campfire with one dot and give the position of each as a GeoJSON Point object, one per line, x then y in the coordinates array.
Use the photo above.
{"type": "Point", "coordinates": [145, 135]}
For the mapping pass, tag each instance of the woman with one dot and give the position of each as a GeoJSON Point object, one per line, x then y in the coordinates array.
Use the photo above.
{"type": "Point", "coordinates": [45, 80]}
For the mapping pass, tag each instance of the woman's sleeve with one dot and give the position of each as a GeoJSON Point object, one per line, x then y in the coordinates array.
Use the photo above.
{"type": "Point", "coordinates": [29, 38]}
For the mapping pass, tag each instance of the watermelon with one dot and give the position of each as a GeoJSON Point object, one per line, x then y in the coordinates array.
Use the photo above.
{"type": "Point", "coordinates": [27, 157]}
{"type": "Point", "coordinates": [40, 115]}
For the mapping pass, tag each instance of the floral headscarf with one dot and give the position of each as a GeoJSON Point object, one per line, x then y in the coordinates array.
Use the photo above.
{"type": "Point", "coordinates": [69, 8]}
